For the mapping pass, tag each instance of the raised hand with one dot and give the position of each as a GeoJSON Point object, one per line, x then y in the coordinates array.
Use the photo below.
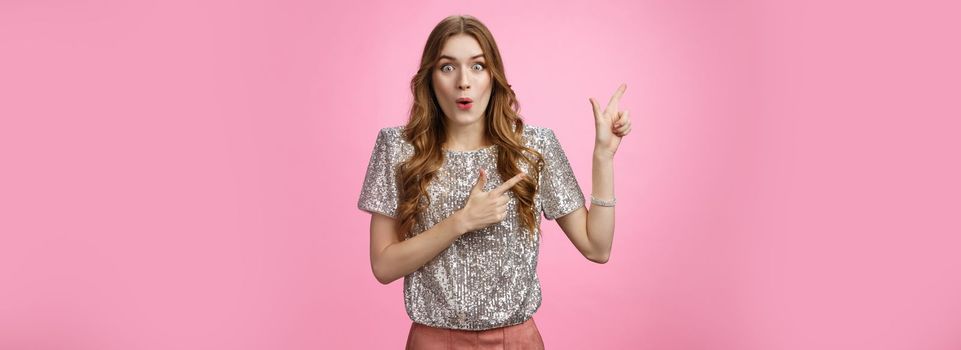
{"type": "Point", "coordinates": [611, 124]}
{"type": "Point", "coordinates": [486, 208]}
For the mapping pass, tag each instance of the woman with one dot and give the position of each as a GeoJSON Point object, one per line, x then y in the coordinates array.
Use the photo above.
{"type": "Point", "coordinates": [455, 197]}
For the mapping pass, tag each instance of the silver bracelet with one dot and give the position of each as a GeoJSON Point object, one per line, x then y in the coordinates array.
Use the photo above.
{"type": "Point", "coordinates": [599, 202]}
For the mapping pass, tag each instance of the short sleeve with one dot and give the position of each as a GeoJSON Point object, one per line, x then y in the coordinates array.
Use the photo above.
{"type": "Point", "coordinates": [379, 192]}
{"type": "Point", "coordinates": [559, 191]}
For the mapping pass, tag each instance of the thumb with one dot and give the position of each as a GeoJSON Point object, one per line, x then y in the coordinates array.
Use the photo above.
{"type": "Point", "coordinates": [481, 181]}
{"type": "Point", "coordinates": [597, 109]}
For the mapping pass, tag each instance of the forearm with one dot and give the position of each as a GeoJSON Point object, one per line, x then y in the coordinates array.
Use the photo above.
{"type": "Point", "coordinates": [600, 220]}
{"type": "Point", "coordinates": [402, 258]}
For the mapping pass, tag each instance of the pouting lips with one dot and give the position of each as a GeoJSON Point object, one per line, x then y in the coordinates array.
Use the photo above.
{"type": "Point", "coordinates": [465, 104]}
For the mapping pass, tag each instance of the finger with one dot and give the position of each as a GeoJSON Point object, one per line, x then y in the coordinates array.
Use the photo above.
{"type": "Point", "coordinates": [503, 200]}
{"type": "Point", "coordinates": [622, 119]}
{"type": "Point", "coordinates": [623, 128]}
{"type": "Point", "coordinates": [617, 97]}
{"type": "Point", "coordinates": [481, 181]}
{"type": "Point", "coordinates": [508, 184]}
{"type": "Point", "coordinates": [625, 122]}
{"type": "Point", "coordinates": [597, 109]}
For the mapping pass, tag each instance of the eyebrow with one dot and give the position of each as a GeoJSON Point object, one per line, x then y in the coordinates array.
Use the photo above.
{"type": "Point", "coordinates": [452, 59]}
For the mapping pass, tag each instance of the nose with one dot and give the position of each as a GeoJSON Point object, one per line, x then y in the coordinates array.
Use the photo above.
{"type": "Point", "coordinates": [463, 82]}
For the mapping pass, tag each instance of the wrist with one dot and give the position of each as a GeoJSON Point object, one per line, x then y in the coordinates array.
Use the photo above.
{"type": "Point", "coordinates": [603, 156]}
{"type": "Point", "coordinates": [458, 222]}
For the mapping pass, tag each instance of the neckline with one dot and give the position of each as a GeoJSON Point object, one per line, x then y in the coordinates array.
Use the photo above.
{"type": "Point", "coordinates": [482, 149]}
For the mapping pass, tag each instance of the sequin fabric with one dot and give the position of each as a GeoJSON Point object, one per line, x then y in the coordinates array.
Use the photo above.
{"type": "Point", "coordinates": [487, 278]}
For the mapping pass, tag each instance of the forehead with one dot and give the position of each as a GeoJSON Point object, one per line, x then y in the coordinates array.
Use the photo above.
{"type": "Point", "coordinates": [461, 47]}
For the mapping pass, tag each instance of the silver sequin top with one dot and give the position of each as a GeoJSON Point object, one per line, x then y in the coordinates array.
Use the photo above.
{"type": "Point", "coordinates": [486, 278]}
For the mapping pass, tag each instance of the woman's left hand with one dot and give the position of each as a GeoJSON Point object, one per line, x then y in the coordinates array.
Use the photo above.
{"type": "Point", "coordinates": [612, 124]}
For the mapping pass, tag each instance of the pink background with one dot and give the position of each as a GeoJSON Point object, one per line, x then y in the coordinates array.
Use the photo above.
{"type": "Point", "coordinates": [184, 174]}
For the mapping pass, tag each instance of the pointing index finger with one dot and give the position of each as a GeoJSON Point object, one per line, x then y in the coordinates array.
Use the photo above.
{"type": "Point", "coordinates": [617, 96]}
{"type": "Point", "coordinates": [508, 184]}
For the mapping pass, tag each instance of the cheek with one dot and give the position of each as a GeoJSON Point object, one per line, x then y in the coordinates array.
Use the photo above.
{"type": "Point", "coordinates": [439, 83]}
{"type": "Point", "coordinates": [441, 93]}
{"type": "Point", "coordinates": [445, 86]}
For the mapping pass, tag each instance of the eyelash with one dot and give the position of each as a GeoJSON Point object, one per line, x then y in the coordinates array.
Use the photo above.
{"type": "Point", "coordinates": [483, 66]}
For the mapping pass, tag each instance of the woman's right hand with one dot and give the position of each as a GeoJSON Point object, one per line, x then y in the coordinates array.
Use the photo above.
{"type": "Point", "coordinates": [485, 208]}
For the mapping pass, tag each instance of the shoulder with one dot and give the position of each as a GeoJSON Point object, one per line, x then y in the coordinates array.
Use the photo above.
{"type": "Point", "coordinates": [391, 142]}
{"type": "Point", "coordinates": [391, 136]}
{"type": "Point", "coordinates": [539, 137]}
{"type": "Point", "coordinates": [391, 133]}
{"type": "Point", "coordinates": [530, 129]}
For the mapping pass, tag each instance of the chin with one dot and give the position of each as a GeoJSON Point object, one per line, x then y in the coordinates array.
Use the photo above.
{"type": "Point", "coordinates": [466, 117]}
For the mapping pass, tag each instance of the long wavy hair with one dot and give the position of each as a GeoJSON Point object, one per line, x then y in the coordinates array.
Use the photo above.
{"type": "Point", "coordinates": [426, 129]}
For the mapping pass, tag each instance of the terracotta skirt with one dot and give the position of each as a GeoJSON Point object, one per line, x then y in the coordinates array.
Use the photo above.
{"type": "Point", "coordinates": [517, 337]}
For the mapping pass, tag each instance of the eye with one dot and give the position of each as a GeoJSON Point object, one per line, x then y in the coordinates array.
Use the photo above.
{"type": "Point", "coordinates": [443, 68]}
{"type": "Point", "coordinates": [481, 65]}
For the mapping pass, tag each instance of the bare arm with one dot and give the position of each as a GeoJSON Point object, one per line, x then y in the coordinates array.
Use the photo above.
{"type": "Point", "coordinates": [592, 232]}
{"type": "Point", "coordinates": [391, 259]}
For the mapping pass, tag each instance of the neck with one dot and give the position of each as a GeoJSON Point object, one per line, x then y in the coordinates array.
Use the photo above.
{"type": "Point", "coordinates": [466, 137]}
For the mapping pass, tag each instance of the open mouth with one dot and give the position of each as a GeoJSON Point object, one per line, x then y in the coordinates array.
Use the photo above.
{"type": "Point", "coordinates": [464, 103]}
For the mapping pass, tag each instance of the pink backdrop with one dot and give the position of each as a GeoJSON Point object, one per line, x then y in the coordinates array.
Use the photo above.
{"type": "Point", "coordinates": [184, 174]}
